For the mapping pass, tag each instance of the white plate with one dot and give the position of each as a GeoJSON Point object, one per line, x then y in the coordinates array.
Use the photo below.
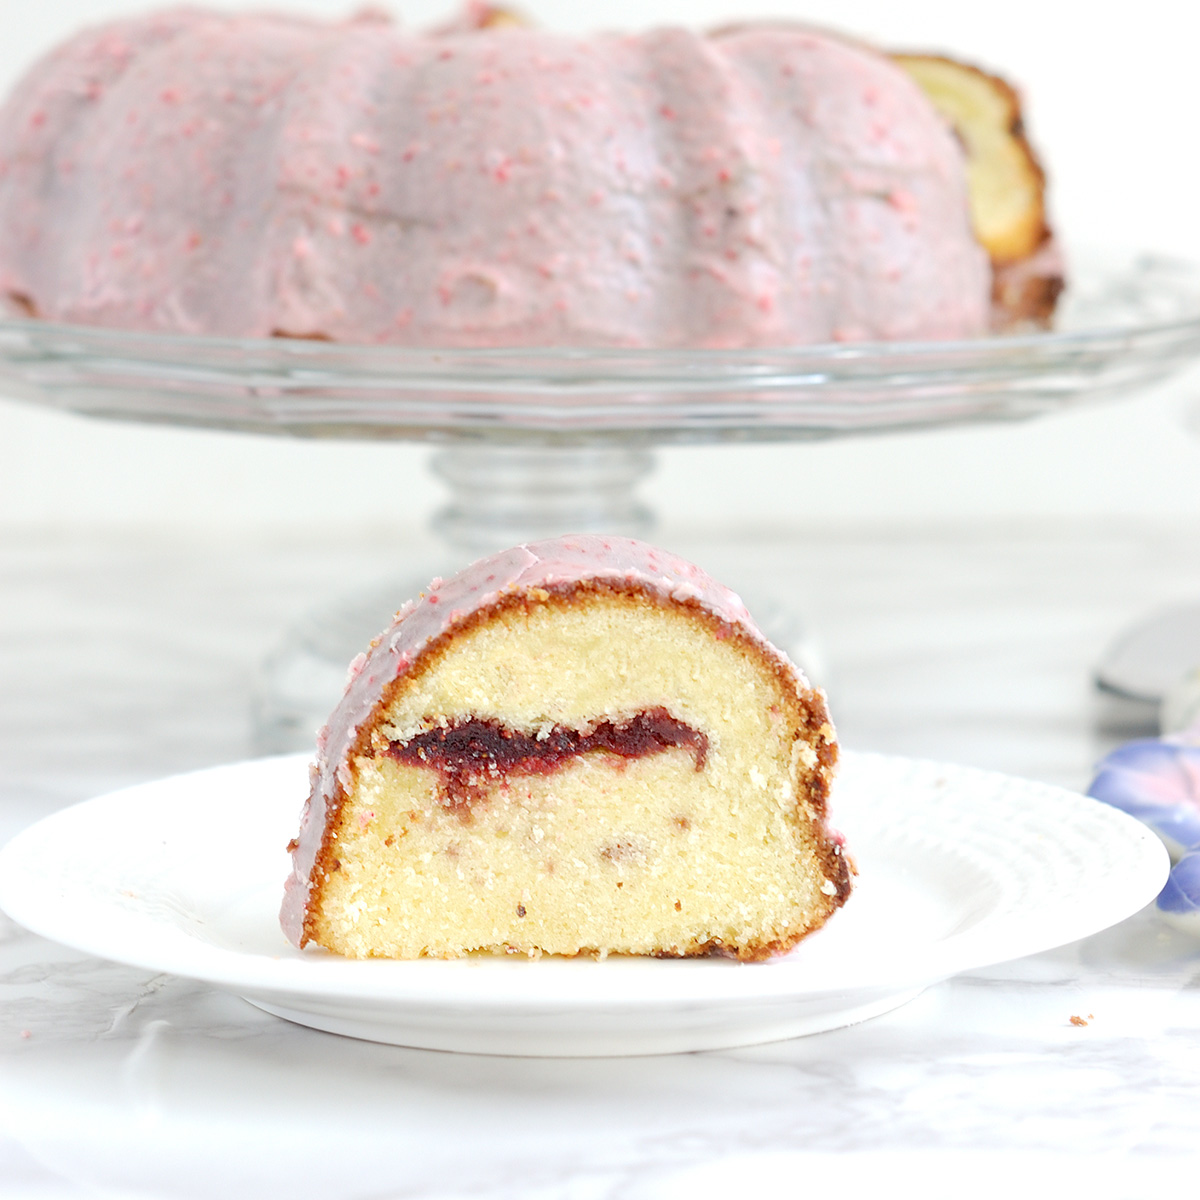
{"type": "Point", "coordinates": [958, 868]}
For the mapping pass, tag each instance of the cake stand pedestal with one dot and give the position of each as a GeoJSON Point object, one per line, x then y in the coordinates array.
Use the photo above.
{"type": "Point", "coordinates": [499, 496]}
{"type": "Point", "coordinates": [541, 441]}
{"type": "Point", "coordinates": [503, 495]}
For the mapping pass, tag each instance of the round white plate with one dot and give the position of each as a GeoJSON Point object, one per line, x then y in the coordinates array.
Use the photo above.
{"type": "Point", "coordinates": [958, 868]}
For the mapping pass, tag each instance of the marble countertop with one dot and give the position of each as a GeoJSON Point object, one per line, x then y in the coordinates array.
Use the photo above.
{"type": "Point", "coordinates": [130, 657]}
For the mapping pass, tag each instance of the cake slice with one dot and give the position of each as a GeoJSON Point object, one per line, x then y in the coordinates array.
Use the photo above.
{"type": "Point", "coordinates": [579, 746]}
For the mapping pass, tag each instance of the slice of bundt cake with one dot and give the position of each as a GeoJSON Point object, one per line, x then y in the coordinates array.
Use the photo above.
{"type": "Point", "coordinates": [583, 745]}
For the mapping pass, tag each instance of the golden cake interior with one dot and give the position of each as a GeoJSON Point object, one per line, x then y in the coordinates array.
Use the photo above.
{"type": "Point", "coordinates": [687, 850]}
{"type": "Point", "coordinates": [1004, 179]}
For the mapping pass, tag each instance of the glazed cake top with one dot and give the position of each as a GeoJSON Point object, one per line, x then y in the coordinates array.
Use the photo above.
{"type": "Point", "coordinates": [764, 186]}
{"type": "Point", "coordinates": [550, 565]}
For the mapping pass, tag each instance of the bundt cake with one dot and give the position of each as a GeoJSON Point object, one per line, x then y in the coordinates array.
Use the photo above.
{"type": "Point", "coordinates": [256, 175]}
{"type": "Point", "coordinates": [578, 746]}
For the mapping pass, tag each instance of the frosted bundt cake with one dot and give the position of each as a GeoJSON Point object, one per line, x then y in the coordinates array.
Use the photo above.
{"type": "Point", "coordinates": [583, 745]}
{"type": "Point", "coordinates": [257, 175]}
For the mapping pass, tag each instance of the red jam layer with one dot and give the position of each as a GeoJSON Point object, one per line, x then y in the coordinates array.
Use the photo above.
{"type": "Point", "coordinates": [469, 753]}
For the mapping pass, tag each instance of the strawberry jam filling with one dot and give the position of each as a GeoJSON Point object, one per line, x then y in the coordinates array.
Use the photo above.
{"type": "Point", "coordinates": [471, 752]}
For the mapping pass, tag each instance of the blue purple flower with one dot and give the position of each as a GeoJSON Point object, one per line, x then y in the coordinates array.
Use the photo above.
{"type": "Point", "coordinates": [1157, 780]}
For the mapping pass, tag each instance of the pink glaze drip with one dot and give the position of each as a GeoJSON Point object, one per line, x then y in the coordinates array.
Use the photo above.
{"type": "Point", "coordinates": [248, 175]}
{"type": "Point", "coordinates": [548, 564]}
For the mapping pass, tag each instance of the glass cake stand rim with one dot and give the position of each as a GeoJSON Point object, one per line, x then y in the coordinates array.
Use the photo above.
{"type": "Point", "coordinates": [1143, 323]}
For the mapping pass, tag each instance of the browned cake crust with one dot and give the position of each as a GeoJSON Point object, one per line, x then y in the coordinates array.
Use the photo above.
{"type": "Point", "coordinates": [1027, 292]}
{"type": "Point", "coordinates": [21, 305]}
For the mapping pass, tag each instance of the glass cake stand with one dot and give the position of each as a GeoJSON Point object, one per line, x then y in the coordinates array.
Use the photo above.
{"type": "Point", "coordinates": [534, 442]}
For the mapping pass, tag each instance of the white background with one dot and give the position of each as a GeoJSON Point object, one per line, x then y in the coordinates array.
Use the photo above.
{"type": "Point", "coordinates": [1111, 97]}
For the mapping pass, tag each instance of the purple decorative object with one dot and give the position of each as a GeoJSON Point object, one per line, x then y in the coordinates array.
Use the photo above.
{"type": "Point", "coordinates": [1179, 901]}
{"type": "Point", "coordinates": [1157, 780]}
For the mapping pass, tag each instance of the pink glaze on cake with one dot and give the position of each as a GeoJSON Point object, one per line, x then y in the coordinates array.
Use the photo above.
{"type": "Point", "coordinates": [251, 175]}
{"type": "Point", "coordinates": [552, 564]}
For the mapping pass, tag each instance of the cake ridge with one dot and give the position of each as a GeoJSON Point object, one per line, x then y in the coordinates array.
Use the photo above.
{"type": "Point", "coordinates": [251, 174]}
